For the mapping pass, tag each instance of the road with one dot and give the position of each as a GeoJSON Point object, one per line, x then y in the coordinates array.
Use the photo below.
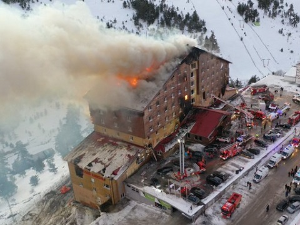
{"type": "Point", "coordinates": [272, 192]}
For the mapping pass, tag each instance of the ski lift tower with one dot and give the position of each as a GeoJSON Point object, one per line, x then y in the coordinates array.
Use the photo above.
{"type": "Point", "coordinates": [181, 156]}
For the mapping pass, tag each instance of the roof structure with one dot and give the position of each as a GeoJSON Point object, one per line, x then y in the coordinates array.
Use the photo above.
{"type": "Point", "coordinates": [206, 121]}
{"type": "Point", "coordinates": [101, 154]}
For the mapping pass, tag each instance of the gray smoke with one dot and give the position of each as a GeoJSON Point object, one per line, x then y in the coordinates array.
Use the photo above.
{"type": "Point", "coordinates": [63, 49]}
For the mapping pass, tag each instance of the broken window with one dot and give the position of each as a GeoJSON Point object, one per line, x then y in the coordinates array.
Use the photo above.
{"type": "Point", "coordinates": [79, 171]}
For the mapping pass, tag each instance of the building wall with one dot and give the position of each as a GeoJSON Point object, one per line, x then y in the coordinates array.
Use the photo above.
{"type": "Point", "coordinates": [210, 76]}
{"type": "Point", "coordinates": [162, 114]}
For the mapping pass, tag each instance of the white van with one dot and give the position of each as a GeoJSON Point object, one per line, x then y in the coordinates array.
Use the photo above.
{"type": "Point", "coordinates": [274, 160]}
{"type": "Point", "coordinates": [261, 174]}
{"type": "Point", "coordinates": [287, 151]}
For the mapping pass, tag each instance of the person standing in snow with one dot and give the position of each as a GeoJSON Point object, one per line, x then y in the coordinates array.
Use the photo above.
{"type": "Point", "coordinates": [267, 209]}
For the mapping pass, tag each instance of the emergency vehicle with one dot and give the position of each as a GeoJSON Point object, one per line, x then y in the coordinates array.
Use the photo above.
{"type": "Point", "coordinates": [294, 119]}
{"type": "Point", "coordinates": [232, 203]}
{"type": "Point", "coordinates": [230, 151]}
{"type": "Point", "coordinates": [259, 89]}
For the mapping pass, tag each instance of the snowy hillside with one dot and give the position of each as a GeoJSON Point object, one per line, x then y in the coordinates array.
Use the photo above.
{"type": "Point", "coordinates": [253, 50]}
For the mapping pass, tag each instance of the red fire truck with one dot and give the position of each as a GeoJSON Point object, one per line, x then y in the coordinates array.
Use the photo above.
{"type": "Point", "coordinates": [232, 203]}
{"type": "Point", "coordinates": [258, 114]}
{"type": "Point", "coordinates": [230, 151]}
{"type": "Point", "coordinates": [294, 119]}
{"type": "Point", "coordinates": [259, 89]}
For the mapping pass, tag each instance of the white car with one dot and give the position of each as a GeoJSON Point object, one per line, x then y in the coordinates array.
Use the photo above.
{"type": "Point", "coordinates": [282, 220]}
{"type": "Point", "coordinates": [223, 139]}
{"type": "Point", "coordinates": [293, 207]}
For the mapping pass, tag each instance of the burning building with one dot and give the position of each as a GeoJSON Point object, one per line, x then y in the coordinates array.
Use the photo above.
{"type": "Point", "coordinates": [158, 106]}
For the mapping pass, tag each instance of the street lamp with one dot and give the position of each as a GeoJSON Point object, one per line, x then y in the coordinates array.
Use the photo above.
{"type": "Point", "coordinates": [181, 155]}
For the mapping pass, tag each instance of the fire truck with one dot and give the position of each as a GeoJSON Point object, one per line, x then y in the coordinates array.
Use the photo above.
{"type": "Point", "coordinates": [259, 89]}
{"type": "Point", "coordinates": [230, 151]}
{"type": "Point", "coordinates": [197, 169]}
{"type": "Point", "coordinates": [294, 119]}
{"type": "Point", "coordinates": [296, 142]}
{"type": "Point", "coordinates": [232, 203]}
{"type": "Point", "coordinates": [258, 114]}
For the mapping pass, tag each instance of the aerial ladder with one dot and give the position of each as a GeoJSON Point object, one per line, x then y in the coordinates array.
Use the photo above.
{"type": "Point", "coordinates": [248, 116]}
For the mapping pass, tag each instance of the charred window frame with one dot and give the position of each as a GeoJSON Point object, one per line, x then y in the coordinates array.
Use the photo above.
{"type": "Point", "coordinates": [78, 171]}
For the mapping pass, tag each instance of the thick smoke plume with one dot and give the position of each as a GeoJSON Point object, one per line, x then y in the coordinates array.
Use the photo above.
{"type": "Point", "coordinates": [61, 49]}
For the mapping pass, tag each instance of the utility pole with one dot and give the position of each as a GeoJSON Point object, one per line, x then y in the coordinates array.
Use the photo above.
{"type": "Point", "coordinates": [265, 62]}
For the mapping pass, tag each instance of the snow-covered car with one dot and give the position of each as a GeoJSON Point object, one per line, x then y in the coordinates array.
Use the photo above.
{"type": "Point", "coordinates": [194, 199]}
{"type": "Point", "coordinates": [260, 143]}
{"type": "Point", "coordinates": [293, 207]}
{"type": "Point", "coordinates": [223, 139]}
{"type": "Point", "coordinates": [275, 132]}
{"type": "Point", "coordinates": [282, 220]}
{"type": "Point", "coordinates": [247, 154]}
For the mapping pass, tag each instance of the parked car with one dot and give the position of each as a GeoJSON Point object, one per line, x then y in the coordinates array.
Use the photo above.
{"type": "Point", "coordinates": [254, 151]}
{"type": "Point", "coordinates": [293, 207]}
{"type": "Point", "coordinates": [247, 154]}
{"type": "Point", "coordinates": [213, 180]}
{"type": "Point", "coordinates": [197, 154]}
{"type": "Point", "coordinates": [275, 132]}
{"type": "Point", "coordinates": [282, 220]}
{"type": "Point", "coordinates": [294, 198]}
{"type": "Point", "coordinates": [260, 143]}
{"type": "Point", "coordinates": [223, 139]}
{"type": "Point", "coordinates": [270, 137]}
{"type": "Point", "coordinates": [198, 192]}
{"type": "Point", "coordinates": [222, 175]}
{"type": "Point", "coordinates": [194, 199]}
{"type": "Point", "coordinates": [213, 145]}
{"type": "Point", "coordinates": [164, 170]}
{"type": "Point", "coordinates": [155, 182]}
{"type": "Point", "coordinates": [297, 191]}
{"type": "Point", "coordinates": [284, 126]}
{"type": "Point", "coordinates": [282, 205]}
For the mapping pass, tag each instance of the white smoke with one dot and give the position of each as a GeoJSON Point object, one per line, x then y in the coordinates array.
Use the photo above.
{"type": "Point", "coordinates": [62, 49]}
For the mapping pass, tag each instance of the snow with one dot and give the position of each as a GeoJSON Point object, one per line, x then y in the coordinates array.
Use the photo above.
{"type": "Point", "coordinates": [258, 54]}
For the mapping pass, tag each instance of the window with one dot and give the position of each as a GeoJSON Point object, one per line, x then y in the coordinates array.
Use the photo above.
{"type": "Point", "coordinates": [188, 135]}
{"type": "Point", "coordinates": [193, 100]}
{"type": "Point", "coordinates": [150, 118]}
{"type": "Point", "coordinates": [81, 185]}
{"type": "Point", "coordinates": [129, 118]}
{"type": "Point", "coordinates": [192, 83]}
{"type": "Point", "coordinates": [185, 88]}
{"type": "Point", "coordinates": [129, 129]}
{"type": "Point", "coordinates": [100, 112]}
{"type": "Point", "coordinates": [149, 108]}
{"type": "Point", "coordinates": [158, 124]}
{"type": "Point", "coordinates": [102, 121]}
{"type": "Point", "coordinates": [174, 114]}
{"type": "Point", "coordinates": [166, 109]}
{"type": "Point", "coordinates": [158, 113]}
{"type": "Point", "coordinates": [131, 138]}
{"type": "Point", "coordinates": [192, 92]}
{"type": "Point", "coordinates": [118, 134]}
{"type": "Point", "coordinates": [79, 171]}
{"type": "Point", "coordinates": [186, 97]}
{"type": "Point", "coordinates": [179, 92]}
{"type": "Point", "coordinates": [106, 186]}
{"type": "Point", "coordinates": [167, 118]}
{"type": "Point", "coordinates": [173, 95]}
{"type": "Point", "coordinates": [115, 115]}
{"type": "Point", "coordinates": [151, 129]}
{"type": "Point", "coordinates": [173, 105]}
{"type": "Point", "coordinates": [104, 130]}
{"type": "Point", "coordinates": [116, 125]}
{"type": "Point", "coordinates": [92, 180]}
{"type": "Point", "coordinates": [165, 88]}
{"type": "Point", "coordinates": [192, 74]}
{"type": "Point", "coordinates": [157, 104]}
{"type": "Point", "coordinates": [165, 99]}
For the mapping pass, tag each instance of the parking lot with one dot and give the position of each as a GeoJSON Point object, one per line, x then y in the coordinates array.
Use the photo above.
{"type": "Point", "coordinates": [168, 183]}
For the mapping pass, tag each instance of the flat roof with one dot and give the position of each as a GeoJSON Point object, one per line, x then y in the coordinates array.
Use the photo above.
{"type": "Point", "coordinates": [97, 152]}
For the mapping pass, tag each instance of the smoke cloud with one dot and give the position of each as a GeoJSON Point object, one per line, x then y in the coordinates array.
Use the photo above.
{"type": "Point", "coordinates": [63, 49]}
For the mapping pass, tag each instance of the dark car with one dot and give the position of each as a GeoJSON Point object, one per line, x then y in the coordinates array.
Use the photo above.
{"type": "Point", "coordinates": [284, 126]}
{"type": "Point", "coordinates": [270, 137]}
{"type": "Point", "coordinates": [260, 142]}
{"type": "Point", "coordinates": [164, 170]}
{"type": "Point", "coordinates": [282, 205]}
{"type": "Point", "coordinates": [155, 182]}
{"type": "Point", "coordinates": [222, 175]}
{"type": "Point", "coordinates": [213, 180]}
{"type": "Point", "coordinates": [194, 199]}
{"type": "Point", "coordinates": [247, 154]}
{"type": "Point", "coordinates": [294, 198]}
{"type": "Point", "coordinates": [213, 145]}
{"type": "Point", "coordinates": [198, 192]}
{"type": "Point", "coordinates": [297, 191]}
{"type": "Point", "coordinates": [254, 151]}
{"type": "Point", "coordinates": [197, 154]}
